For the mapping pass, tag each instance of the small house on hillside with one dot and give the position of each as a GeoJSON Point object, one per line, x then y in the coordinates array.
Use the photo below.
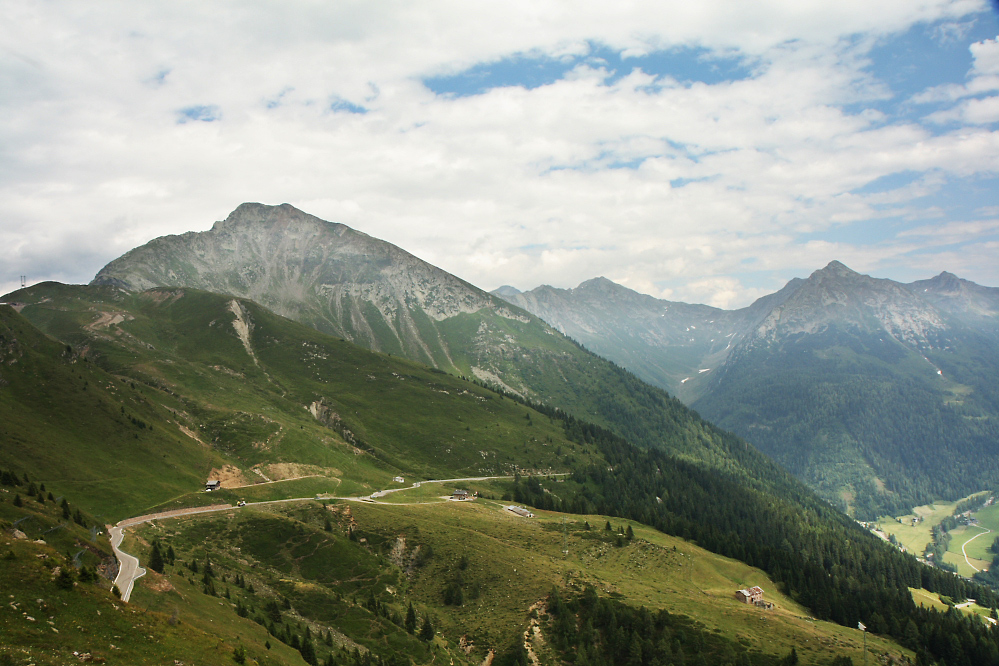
{"type": "Point", "coordinates": [399, 479]}
{"type": "Point", "coordinates": [753, 595]}
{"type": "Point", "coordinates": [212, 484]}
{"type": "Point", "coordinates": [520, 511]}
{"type": "Point", "coordinates": [459, 495]}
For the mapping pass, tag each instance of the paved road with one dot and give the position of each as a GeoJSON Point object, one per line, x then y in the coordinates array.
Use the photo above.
{"type": "Point", "coordinates": [969, 541]}
{"type": "Point", "coordinates": [128, 565]}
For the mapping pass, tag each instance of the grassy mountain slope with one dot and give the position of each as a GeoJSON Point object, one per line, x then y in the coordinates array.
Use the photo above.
{"type": "Point", "coordinates": [503, 565]}
{"type": "Point", "coordinates": [79, 425]}
{"type": "Point", "coordinates": [294, 402]}
{"type": "Point", "coordinates": [293, 396]}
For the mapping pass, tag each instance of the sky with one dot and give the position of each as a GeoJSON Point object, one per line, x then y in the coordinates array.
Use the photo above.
{"type": "Point", "coordinates": [703, 152]}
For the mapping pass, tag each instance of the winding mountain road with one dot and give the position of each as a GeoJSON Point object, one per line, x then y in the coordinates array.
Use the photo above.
{"type": "Point", "coordinates": [128, 565]}
{"type": "Point", "coordinates": [965, 553]}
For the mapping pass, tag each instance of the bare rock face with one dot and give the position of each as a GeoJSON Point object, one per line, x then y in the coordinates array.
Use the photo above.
{"type": "Point", "coordinates": [325, 274]}
{"type": "Point", "coordinates": [838, 296]}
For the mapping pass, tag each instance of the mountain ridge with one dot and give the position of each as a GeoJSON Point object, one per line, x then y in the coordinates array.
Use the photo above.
{"type": "Point", "coordinates": [801, 368]}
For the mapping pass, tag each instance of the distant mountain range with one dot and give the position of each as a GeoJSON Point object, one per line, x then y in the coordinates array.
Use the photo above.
{"type": "Point", "coordinates": [879, 394]}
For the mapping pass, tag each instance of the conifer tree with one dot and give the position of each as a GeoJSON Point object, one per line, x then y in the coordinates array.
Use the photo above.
{"type": "Point", "coordinates": [17, 500]}
{"type": "Point", "coordinates": [308, 652]}
{"type": "Point", "coordinates": [427, 630]}
{"type": "Point", "coordinates": [410, 619]}
{"type": "Point", "coordinates": [156, 558]}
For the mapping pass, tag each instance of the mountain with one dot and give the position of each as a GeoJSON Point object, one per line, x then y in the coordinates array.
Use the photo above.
{"type": "Point", "coordinates": [970, 303]}
{"type": "Point", "coordinates": [326, 275]}
{"type": "Point", "coordinates": [878, 394]}
{"type": "Point", "coordinates": [132, 399]}
{"type": "Point", "coordinates": [370, 292]}
{"type": "Point", "coordinates": [667, 343]}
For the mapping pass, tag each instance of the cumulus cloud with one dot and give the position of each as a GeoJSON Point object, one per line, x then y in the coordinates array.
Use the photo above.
{"type": "Point", "coordinates": [123, 121]}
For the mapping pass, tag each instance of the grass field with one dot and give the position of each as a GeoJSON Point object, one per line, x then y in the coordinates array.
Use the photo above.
{"type": "Point", "coordinates": [928, 599]}
{"type": "Point", "coordinates": [959, 536]}
{"type": "Point", "coordinates": [915, 538]}
{"type": "Point", "coordinates": [987, 518]}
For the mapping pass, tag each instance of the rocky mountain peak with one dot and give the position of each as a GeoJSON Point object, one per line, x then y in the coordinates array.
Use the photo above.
{"type": "Point", "coordinates": [835, 269]}
{"type": "Point", "coordinates": [506, 291]}
{"type": "Point", "coordinates": [322, 273]}
{"type": "Point", "coordinates": [839, 296]}
{"type": "Point", "coordinates": [970, 302]}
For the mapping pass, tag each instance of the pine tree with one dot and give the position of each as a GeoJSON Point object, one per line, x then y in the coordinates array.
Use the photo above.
{"type": "Point", "coordinates": [156, 558]}
{"type": "Point", "coordinates": [65, 579]}
{"type": "Point", "coordinates": [427, 631]}
{"type": "Point", "coordinates": [17, 501]}
{"type": "Point", "coordinates": [308, 651]}
{"type": "Point", "coordinates": [411, 619]}
{"type": "Point", "coordinates": [65, 508]}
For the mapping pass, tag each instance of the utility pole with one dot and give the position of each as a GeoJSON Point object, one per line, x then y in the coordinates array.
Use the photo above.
{"type": "Point", "coordinates": [565, 540]}
{"type": "Point", "coordinates": [24, 281]}
{"type": "Point", "coordinates": [863, 628]}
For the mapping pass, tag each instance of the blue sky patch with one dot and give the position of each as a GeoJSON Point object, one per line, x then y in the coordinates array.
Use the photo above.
{"type": "Point", "coordinates": [892, 181]}
{"type": "Point", "coordinates": [684, 64]}
{"type": "Point", "coordinates": [202, 113]}
{"type": "Point", "coordinates": [925, 56]}
{"type": "Point", "coordinates": [158, 79]}
{"type": "Point", "coordinates": [339, 104]}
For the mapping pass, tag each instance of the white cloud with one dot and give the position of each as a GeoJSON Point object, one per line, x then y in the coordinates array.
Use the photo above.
{"type": "Point", "coordinates": [982, 78]}
{"type": "Point", "coordinates": [511, 185]}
